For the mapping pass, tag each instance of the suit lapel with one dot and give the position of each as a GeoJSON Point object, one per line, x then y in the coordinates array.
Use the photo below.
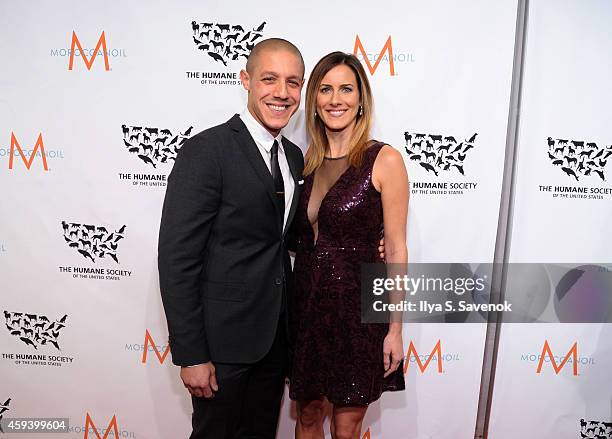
{"type": "Point", "coordinates": [296, 173]}
{"type": "Point", "coordinates": [256, 160]}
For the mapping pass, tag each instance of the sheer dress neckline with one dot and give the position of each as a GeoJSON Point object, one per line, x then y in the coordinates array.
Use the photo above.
{"type": "Point", "coordinates": [325, 179]}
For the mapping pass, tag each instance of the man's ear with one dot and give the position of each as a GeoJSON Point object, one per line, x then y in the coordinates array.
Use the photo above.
{"type": "Point", "coordinates": [245, 79]}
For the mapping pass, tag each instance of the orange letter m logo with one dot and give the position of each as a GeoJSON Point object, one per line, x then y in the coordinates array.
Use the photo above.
{"type": "Point", "coordinates": [377, 59]}
{"type": "Point", "coordinates": [89, 423]}
{"type": "Point", "coordinates": [88, 62]}
{"type": "Point", "coordinates": [437, 351]}
{"type": "Point", "coordinates": [28, 162]}
{"type": "Point", "coordinates": [149, 341]}
{"type": "Point", "coordinates": [573, 352]}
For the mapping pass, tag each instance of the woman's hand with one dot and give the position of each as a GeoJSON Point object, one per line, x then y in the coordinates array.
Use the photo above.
{"type": "Point", "coordinates": [393, 351]}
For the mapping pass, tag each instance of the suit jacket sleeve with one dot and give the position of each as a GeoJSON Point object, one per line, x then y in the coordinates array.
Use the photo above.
{"type": "Point", "coordinates": [192, 200]}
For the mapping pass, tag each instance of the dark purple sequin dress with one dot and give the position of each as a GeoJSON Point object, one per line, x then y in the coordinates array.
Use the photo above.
{"type": "Point", "coordinates": [334, 354]}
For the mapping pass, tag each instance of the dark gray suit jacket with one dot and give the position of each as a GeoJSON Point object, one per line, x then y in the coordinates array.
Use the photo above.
{"type": "Point", "coordinates": [222, 256]}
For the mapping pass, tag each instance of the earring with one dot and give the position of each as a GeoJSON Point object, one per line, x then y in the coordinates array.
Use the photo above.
{"type": "Point", "coordinates": [361, 110]}
{"type": "Point", "coordinates": [315, 115]}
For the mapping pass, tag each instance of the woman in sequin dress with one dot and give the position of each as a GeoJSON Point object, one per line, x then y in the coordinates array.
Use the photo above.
{"type": "Point", "coordinates": [354, 188]}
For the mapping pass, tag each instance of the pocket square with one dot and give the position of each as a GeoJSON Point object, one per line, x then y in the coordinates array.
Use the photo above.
{"type": "Point", "coordinates": [301, 182]}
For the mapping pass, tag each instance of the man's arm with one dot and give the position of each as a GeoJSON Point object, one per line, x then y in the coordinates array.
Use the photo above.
{"type": "Point", "coordinates": [190, 207]}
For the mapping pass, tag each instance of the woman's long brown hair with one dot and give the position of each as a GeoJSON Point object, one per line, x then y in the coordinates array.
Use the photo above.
{"type": "Point", "coordinates": [316, 129]}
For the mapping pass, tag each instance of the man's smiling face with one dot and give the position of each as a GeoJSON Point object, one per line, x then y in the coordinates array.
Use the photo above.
{"type": "Point", "coordinates": [274, 86]}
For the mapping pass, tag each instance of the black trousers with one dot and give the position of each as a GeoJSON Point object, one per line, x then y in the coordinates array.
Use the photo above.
{"type": "Point", "coordinates": [247, 404]}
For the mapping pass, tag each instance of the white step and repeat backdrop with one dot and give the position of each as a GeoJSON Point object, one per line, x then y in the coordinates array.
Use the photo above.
{"type": "Point", "coordinates": [96, 99]}
{"type": "Point", "coordinates": [562, 214]}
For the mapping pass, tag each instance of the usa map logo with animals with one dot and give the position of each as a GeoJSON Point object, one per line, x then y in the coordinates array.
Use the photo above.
{"type": "Point", "coordinates": [225, 42]}
{"type": "Point", "coordinates": [93, 242]}
{"type": "Point", "coordinates": [437, 153]}
{"type": "Point", "coordinates": [579, 158]}
{"type": "Point", "coordinates": [34, 330]}
{"type": "Point", "coordinates": [153, 145]}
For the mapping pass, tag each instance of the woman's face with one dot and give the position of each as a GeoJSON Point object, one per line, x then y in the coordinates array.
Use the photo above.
{"type": "Point", "coordinates": [338, 99]}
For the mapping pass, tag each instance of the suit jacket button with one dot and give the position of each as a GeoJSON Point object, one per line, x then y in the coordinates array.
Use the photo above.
{"type": "Point", "coordinates": [277, 281]}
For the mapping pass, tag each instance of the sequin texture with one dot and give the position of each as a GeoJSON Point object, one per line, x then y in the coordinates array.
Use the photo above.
{"type": "Point", "coordinates": [334, 354]}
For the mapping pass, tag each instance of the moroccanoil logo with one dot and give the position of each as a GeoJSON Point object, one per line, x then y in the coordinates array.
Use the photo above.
{"type": "Point", "coordinates": [89, 424]}
{"type": "Point", "coordinates": [75, 43]}
{"type": "Point", "coordinates": [386, 55]}
{"type": "Point", "coordinates": [89, 430]}
{"type": "Point", "coordinates": [423, 361]}
{"type": "Point", "coordinates": [367, 58]}
{"type": "Point", "coordinates": [79, 49]}
{"type": "Point", "coordinates": [28, 156]}
{"type": "Point", "coordinates": [149, 344]}
{"type": "Point", "coordinates": [570, 357]}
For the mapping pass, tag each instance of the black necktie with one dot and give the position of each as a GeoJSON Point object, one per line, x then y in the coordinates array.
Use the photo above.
{"type": "Point", "coordinates": [279, 184]}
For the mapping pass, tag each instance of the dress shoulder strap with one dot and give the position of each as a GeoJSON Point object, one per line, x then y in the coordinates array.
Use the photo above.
{"type": "Point", "coordinates": [372, 152]}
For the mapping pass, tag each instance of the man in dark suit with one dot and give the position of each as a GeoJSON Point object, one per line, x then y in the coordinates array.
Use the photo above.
{"type": "Point", "coordinates": [223, 263]}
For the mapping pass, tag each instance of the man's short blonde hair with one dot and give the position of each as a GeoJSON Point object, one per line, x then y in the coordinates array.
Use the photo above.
{"type": "Point", "coordinates": [272, 44]}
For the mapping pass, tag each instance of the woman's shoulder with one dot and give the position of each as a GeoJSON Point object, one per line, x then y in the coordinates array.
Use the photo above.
{"type": "Point", "coordinates": [385, 153]}
{"type": "Point", "coordinates": [388, 166]}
